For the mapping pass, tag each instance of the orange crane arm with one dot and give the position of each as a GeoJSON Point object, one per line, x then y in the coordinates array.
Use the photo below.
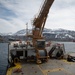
{"type": "Point", "coordinates": [40, 20]}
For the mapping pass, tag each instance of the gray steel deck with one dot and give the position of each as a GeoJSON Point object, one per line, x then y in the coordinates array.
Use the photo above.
{"type": "Point", "coordinates": [52, 67]}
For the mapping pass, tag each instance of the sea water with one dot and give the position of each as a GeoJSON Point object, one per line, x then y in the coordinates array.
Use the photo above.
{"type": "Point", "coordinates": [3, 58]}
{"type": "Point", "coordinates": [69, 46]}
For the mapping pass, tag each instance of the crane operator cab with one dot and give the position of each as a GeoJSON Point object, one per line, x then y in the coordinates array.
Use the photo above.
{"type": "Point", "coordinates": [41, 43]}
{"type": "Point", "coordinates": [41, 52]}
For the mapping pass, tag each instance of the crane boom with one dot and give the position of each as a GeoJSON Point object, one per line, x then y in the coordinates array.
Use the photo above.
{"type": "Point", "coordinates": [37, 38]}
{"type": "Point", "coordinates": [40, 20]}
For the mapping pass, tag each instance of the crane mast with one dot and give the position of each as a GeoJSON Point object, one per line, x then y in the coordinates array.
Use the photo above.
{"type": "Point", "coordinates": [37, 38]}
{"type": "Point", "coordinates": [40, 20]}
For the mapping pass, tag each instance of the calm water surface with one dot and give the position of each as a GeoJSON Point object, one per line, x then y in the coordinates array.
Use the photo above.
{"type": "Point", "coordinates": [69, 46]}
{"type": "Point", "coordinates": [3, 58]}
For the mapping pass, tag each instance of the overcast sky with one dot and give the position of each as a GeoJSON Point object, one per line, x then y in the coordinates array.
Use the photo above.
{"type": "Point", "coordinates": [14, 14]}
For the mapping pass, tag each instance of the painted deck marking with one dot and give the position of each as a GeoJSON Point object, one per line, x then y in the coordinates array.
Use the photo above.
{"type": "Point", "coordinates": [18, 66]}
{"type": "Point", "coordinates": [65, 61]}
{"type": "Point", "coordinates": [54, 70]}
{"type": "Point", "coordinates": [44, 73]}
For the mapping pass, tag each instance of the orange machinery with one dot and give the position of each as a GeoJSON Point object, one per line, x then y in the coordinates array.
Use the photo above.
{"type": "Point", "coordinates": [38, 26]}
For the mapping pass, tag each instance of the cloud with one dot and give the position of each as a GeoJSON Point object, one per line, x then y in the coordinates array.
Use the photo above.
{"type": "Point", "coordinates": [6, 26]}
{"type": "Point", "coordinates": [11, 26]}
{"type": "Point", "coordinates": [16, 13]}
{"type": "Point", "coordinates": [17, 23]}
{"type": "Point", "coordinates": [6, 13]}
{"type": "Point", "coordinates": [62, 15]}
{"type": "Point", "coordinates": [22, 8]}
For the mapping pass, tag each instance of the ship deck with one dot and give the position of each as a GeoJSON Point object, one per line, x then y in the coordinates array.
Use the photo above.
{"type": "Point", "coordinates": [52, 67]}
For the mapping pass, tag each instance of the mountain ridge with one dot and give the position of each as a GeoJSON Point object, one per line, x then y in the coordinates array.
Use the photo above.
{"type": "Point", "coordinates": [49, 34]}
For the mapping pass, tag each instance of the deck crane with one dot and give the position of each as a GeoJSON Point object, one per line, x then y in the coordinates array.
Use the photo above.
{"type": "Point", "coordinates": [38, 26]}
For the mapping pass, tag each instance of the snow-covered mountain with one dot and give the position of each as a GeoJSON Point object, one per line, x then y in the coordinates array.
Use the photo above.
{"type": "Point", "coordinates": [5, 34]}
{"type": "Point", "coordinates": [22, 32]}
{"type": "Point", "coordinates": [50, 34]}
{"type": "Point", "coordinates": [59, 33]}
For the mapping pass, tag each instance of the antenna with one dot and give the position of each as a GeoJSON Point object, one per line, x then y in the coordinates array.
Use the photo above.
{"type": "Point", "coordinates": [26, 32]}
